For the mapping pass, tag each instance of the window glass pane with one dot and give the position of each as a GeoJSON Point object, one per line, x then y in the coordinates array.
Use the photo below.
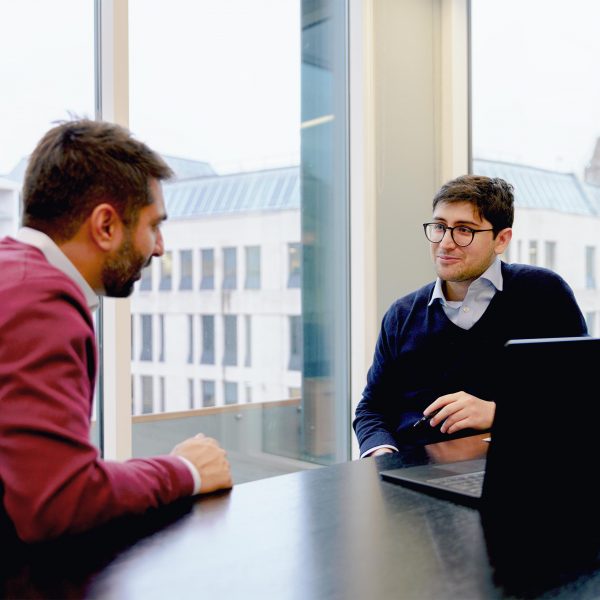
{"type": "Point", "coordinates": [146, 347]}
{"type": "Point", "coordinates": [208, 393]}
{"type": "Point", "coordinates": [252, 267]}
{"type": "Point", "coordinates": [230, 340]}
{"type": "Point", "coordinates": [166, 270]}
{"type": "Point", "coordinates": [47, 74]}
{"type": "Point", "coordinates": [147, 394]}
{"type": "Point", "coordinates": [208, 340]}
{"type": "Point", "coordinates": [294, 266]}
{"type": "Point", "coordinates": [185, 270]}
{"type": "Point", "coordinates": [539, 128]}
{"type": "Point", "coordinates": [231, 392]}
{"type": "Point", "coordinates": [146, 280]}
{"type": "Point", "coordinates": [236, 203]}
{"type": "Point", "coordinates": [550, 255]}
{"type": "Point", "coordinates": [207, 277]}
{"type": "Point", "coordinates": [229, 268]}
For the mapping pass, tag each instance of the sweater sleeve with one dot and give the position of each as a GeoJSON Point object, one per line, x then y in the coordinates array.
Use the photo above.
{"type": "Point", "coordinates": [54, 481]}
{"type": "Point", "coordinates": [374, 413]}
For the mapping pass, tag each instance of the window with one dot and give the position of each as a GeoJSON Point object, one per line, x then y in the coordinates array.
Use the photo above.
{"type": "Point", "coordinates": [208, 340]}
{"type": "Point", "coordinates": [295, 362]}
{"type": "Point", "coordinates": [550, 255]}
{"type": "Point", "coordinates": [185, 270]}
{"type": "Point", "coordinates": [294, 266]}
{"type": "Point", "coordinates": [146, 351]}
{"type": "Point", "coordinates": [229, 268]}
{"type": "Point", "coordinates": [590, 319]}
{"type": "Point", "coordinates": [555, 177]}
{"type": "Point", "coordinates": [146, 280]}
{"type": "Point", "coordinates": [231, 204]}
{"type": "Point", "coordinates": [132, 324]}
{"type": "Point", "coordinates": [590, 267]}
{"type": "Point", "coordinates": [147, 394]}
{"type": "Point", "coordinates": [161, 338]}
{"type": "Point", "coordinates": [190, 328]}
{"type": "Point", "coordinates": [163, 396]}
{"type": "Point", "coordinates": [230, 340]}
{"type": "Point", "coordinates": [166, 271]}
{"type": "Point", "coordinates": [208, 393]}
{"type": "Point", "coordinates": [191, 401]}
{"type": "Point", "coordinates": [248, 323]}
{"type": "Point", "coordinates": [533, 252]}
{"type": "Point", "coordinates": [248, 393]}
{"type": "Point", "coordinates": [230, 392]}
{"type": "Point", "coordinates": [252, 267]}
{"type": "Point", "coordinates": [207, 276]}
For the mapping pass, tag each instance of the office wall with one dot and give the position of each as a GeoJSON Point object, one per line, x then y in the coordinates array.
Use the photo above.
{"type": "Point", "coordinates": [409, 134]}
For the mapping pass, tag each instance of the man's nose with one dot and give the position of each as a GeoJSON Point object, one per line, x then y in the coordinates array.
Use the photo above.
{"type": "Point", "coordinates": [447, 240]}
{"type": "Point", "coordinates": [159, 247]}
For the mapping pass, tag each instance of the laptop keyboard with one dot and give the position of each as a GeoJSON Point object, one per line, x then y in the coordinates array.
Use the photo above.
{"type": "Point", "coordinates": [468, 483]}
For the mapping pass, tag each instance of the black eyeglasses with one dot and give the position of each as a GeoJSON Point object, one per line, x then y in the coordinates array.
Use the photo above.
{"type": "Point", "coordinates": [461, 235]}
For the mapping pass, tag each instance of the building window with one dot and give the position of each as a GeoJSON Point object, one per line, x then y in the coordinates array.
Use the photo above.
{"type": "Point", "coordinates": [190, 322]}
{"type": "Point", "coordinates": [248, 393]}
{"type": "Point", "coordinates": [185, 270]}
{"type": "Point", "coordinates": [550, 255]}
{"type": "Point", "coordinates": [295, 362]}
{"type": "Point", "coordinates": [147, 394]}
{"type": "Point", "coordinates": [163, 399]}
{"type": "Point", "coordinates": [132, 320]}
{"type": "Point", "coordinates": [208, 340]}
{"type": "Point", "coordinates": [208, 393]}
{"type": "Point", "coordinates": [294, 265]}
{"type": "Point", "coordinates": [161, 338]}
{"type": "Point", "coordinates": [191, 394]}
{"type": "Point", "coordinates": [230, 392]}
{"type": "Point", "coordinates": [248, 327]}
{"type": "Point", "coordinates": [590, 320]}
{"type": "Point", "coordinates": [146, 280]}
{"type": "Point", "coordinates": [229, 268]}
{"type": "Point", "coordinates": [146, 351]}
{"type": "Point", "coordinates": [230, 335]}
{"type": "Point", "coordinates": [252, 268]}
{"type": "Point", "coordinates": [207, 266]}
{"type": "Point", "coordinates": [533, 252]}
{"type": "Point", "coordinates": [590, 267]}
{"type": "Point", "coordinates": [166, 271]}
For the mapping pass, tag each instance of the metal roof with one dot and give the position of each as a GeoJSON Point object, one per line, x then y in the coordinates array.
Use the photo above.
{"type": "Point", "coordinates": [542, 189]}
{"type": "Point", "coordinates": [275, 189]}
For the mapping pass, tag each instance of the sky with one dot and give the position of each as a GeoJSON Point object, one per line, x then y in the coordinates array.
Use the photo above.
{"type": "Point", "coordinates": [219, 80]}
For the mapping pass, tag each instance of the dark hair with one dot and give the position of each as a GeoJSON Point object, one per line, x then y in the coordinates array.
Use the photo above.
{"type": "Point", "coordinates": [493, 198]}
{"type": "Point", "coordinates": [80, 164]}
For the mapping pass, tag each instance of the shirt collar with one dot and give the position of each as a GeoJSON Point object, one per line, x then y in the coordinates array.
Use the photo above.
{"type": "Point", "coordinates": [493, 274]}
{"type": "Point", "coordinates": [57, 258]}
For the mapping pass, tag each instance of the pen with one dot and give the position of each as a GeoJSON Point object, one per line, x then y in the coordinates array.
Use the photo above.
{"type": "Point", "coordinates": [426, 417]}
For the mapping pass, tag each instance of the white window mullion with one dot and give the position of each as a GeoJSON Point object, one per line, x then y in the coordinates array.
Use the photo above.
{"type": "Point", "coordinates": [113, 105]}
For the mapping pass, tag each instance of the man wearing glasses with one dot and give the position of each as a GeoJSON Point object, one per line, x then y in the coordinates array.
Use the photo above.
{"type": "Point", "coordinates": [437, 366]}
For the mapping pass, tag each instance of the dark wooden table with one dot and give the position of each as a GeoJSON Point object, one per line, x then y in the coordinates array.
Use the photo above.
{"type": "Point", "coordinates": [338, 532]}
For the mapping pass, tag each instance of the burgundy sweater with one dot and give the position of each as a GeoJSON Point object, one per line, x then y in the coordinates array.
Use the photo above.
{"type": "Point", "coordinates": [52, 480]}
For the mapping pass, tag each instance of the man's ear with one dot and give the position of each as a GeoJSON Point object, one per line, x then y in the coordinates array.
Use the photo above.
{"type": "Point", "coordinates": [502, 240]}
{"type": "Point", "coordinates": [106, 227]}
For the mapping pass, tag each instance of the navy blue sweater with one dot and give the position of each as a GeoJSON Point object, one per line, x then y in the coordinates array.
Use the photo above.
{"type": "Point", "coordinates": [421, 355]}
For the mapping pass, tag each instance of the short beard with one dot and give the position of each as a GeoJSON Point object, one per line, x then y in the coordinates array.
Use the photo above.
{"type": "Point", "coordinates": [122, 270]}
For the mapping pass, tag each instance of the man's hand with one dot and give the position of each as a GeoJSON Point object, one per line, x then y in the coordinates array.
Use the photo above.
{"type": "Point", "coordinates": [461, 411]}
{"type": "Point", "coordinates": [209, 458]}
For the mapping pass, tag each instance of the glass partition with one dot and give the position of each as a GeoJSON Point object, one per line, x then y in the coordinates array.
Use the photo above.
{"type": "Point", "coordinates": [246, 100]}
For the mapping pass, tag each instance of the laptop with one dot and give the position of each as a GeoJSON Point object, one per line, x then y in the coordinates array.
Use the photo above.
{"type": "Point", "coordinates": [544, 437]}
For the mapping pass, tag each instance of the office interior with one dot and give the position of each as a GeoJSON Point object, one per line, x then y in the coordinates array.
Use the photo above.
{"type": "Point", "coordinates": [259, 323]}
